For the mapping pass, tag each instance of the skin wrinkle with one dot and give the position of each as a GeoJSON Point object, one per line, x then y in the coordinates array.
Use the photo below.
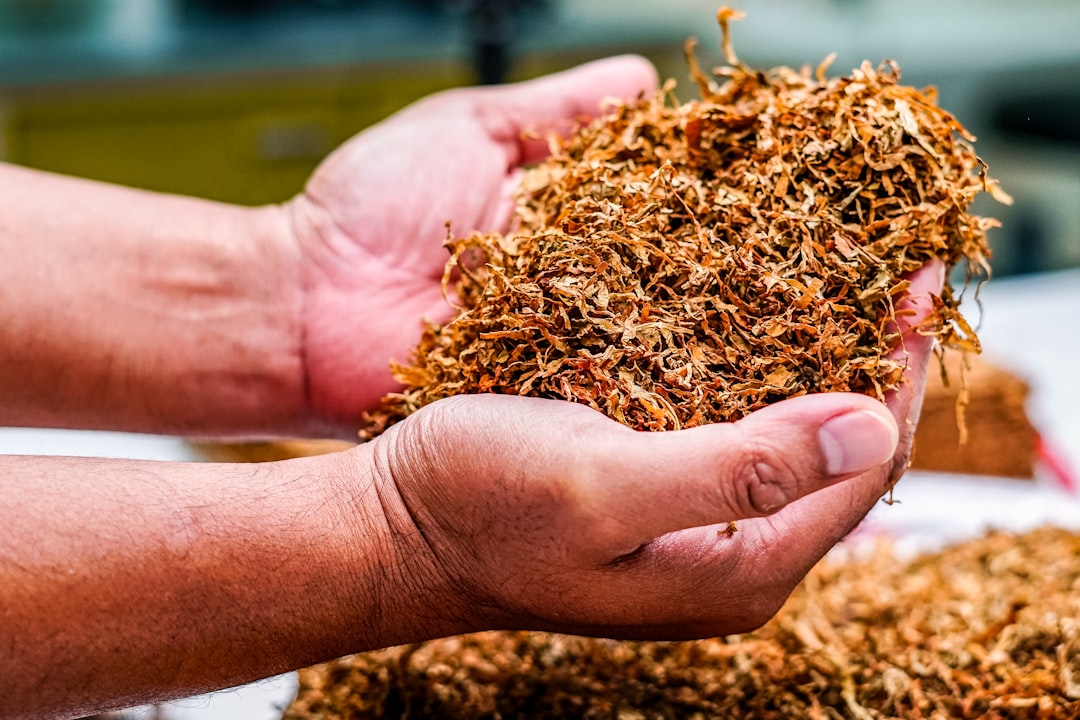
{"type": "Point", "coordinates": [502, 130]}
{"type": "Point", "coordinates": [530, 519]}
{"type": "Point", "coordinates": [304, 308]}
{"type": "Point", "coordinates": [751, 602]}
{"type": "Point", "coordinates": [352, 506]}
{"type": "Point", "coordinates": [301, 312]}
{"type": "Point", "coordinates": [410, 574]}
{"type": "Point", "coordinates": [652, 558]}
{"type": "Point", "coordinates": [330, 256]}
{"type": "Point", "coordinates": [402, 535]}
{"type": "Point", "coordinates": [628, 558]}
{"type": "Point", "coordinates": [738, 484]}
{"type": "Point", "coordinates": [423, 445]}
{"type": "Point", "coordinates": [500, 208]}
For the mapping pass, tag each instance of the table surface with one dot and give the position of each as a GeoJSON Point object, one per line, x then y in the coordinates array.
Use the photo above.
{"type": "Point", "coordinates": [1029, 325]}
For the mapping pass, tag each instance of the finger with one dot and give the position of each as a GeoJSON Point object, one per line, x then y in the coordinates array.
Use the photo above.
{"type": "Point", "coordinates": [520, 116]}
{"type": "Point", "coordinates": [796, 537]}
{"type": "Point", "coordinates": [917, 306]}
{"type": "Point", "coordinates": [914, 350]}
{"type": "Point", "coordinates": [905, 402]}
{"type": "Point", "coordinates": [649, 484]}
{"type": "Point", "coordinates": [792, 540]}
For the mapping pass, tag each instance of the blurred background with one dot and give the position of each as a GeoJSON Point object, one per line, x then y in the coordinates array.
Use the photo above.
{"type": "Point", "coordinates": [238, 100]}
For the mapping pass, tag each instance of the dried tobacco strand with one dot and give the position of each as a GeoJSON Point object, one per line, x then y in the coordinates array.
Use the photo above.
{"type": "Point", "coordinates": [674, 265]}
{"type": "Point", "coordinates": [985, 629]}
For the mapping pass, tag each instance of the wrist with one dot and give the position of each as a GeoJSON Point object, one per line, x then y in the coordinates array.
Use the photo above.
{"type": "Point", "coordinates": [132, 310]}
{"type": "Point", "coordinates": [227, 293]}
{"type": "Point", "coordinates": [265, 383]}
{"type": "Point", "coordinates": [401, 592]}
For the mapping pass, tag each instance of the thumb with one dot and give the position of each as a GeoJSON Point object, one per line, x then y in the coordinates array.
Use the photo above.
{"type": "Point", "coordinates": [663, 482]}
{"type": "Point", "coordinates": [520, 115]}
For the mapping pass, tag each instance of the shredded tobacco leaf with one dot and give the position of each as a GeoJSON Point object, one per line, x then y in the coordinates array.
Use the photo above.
{"type": "Point", "coordinates": [673, 264]}
{"type": "Point", "coordinates": [985, 629]}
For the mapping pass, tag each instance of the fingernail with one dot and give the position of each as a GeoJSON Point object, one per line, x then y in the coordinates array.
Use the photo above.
{"type": "Point", "coordinates": [857, 441]}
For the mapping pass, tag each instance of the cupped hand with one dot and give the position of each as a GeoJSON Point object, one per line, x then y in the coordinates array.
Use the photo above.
{"type": "Point", "coordinates": [371, 223]}
{"type": "Point", "coordinates": [538, 514]}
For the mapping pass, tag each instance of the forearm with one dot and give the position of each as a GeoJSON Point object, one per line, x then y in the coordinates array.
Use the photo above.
{"type": "Point", "coordinates": [124, 309]}
{"type": "Point", "coordinates": [125, 582]}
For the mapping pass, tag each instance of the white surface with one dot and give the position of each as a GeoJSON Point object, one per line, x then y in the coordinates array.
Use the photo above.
{"type": "Point", "coordinates": [84, 443]}
{"type": "Point", "coordinates": [264, 700]}
{"type": "Point", "coordinates": [932, 510]}
{"type": "Point", "coordinates": [1030, 325]}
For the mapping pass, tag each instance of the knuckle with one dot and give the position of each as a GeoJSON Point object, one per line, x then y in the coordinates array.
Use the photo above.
{"type": "Point", "coordinates": [764, 482]}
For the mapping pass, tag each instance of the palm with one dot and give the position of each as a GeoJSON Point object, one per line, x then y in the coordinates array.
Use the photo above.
{"type": "Point", "coordinates": [374, 268]}
{"type": "Point", "coordinates": [372, 221]}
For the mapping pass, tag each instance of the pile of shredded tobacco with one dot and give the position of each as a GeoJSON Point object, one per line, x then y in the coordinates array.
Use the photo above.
{"type": "Point", "coordinates": [676, 264]}
{"type": "Point", "coordinates": [986, 629]}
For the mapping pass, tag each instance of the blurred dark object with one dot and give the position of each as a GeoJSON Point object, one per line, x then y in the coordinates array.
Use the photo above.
{"type": "Point", "coordinates": [258, 7]}
{"type": "Point", "coordinates": [1046, 116]}
{"type": "Point", "coordinates": [491, 27]}
{"type": "Point", "coordinates": [1032, 240]}
{"type": "Point", "coordinates": [268, 451]}
{"type": "Point", "coordinates": [491, 31]}
{"type": "Point", "coordinates": [1032, 139]}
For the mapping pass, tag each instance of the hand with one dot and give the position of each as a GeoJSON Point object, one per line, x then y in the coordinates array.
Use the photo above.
{"type": "Point", "coordinates": [539, 514]}
{"type": "Point", "coordinates": [475, 513]}
{"type": "Point", "coordinates": [371, 224]}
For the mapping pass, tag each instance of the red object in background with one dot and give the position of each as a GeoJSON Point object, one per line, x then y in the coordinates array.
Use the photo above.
{"type": "Point", "coordinates": [1056, 465]}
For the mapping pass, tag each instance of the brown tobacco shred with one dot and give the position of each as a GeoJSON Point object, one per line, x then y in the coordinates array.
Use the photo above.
{"type": "Point", "coordinates": [673, 265]}
{"type": "Point", "coordinates": [986, 629]}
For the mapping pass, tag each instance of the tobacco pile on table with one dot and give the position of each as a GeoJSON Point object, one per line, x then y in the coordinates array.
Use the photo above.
{"type": "Point", "coordinates": [678, 264]}
{"type": "Point", "coordinates": [986, 629]}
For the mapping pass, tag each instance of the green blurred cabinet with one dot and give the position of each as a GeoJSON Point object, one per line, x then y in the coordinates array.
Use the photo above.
{"type": "Point", "coordinates": [251, 139]}
{"type": "Point", "coordinates": [247, 138]}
